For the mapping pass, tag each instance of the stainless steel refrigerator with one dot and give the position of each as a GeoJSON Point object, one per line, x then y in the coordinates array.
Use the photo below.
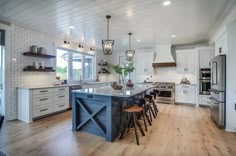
{"type": "Point", "coordinates": [218, 87]}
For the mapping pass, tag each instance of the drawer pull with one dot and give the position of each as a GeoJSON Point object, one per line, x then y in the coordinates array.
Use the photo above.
{"type": "Point", "coordinates": [61, 105]}
{"type": "Point", "coordinates": [44, 99]}
{"type": "Point", "coordinates": [61, 89]}
{"type": "Point", "coordinates": [43, 110]}
{"type": "Point", "coordinates": [43, 91]}
{"type": "Point", "coordinates": [61, 96]}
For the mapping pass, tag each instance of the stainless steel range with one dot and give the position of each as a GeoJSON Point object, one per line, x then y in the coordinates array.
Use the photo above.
{"type": "Point", "coordinates": [165, 92]}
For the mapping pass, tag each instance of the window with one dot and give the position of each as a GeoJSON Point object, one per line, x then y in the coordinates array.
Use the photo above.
{"type": "Point", "coordinates": [62, 64]}
{"type": "Point", "coordinates": [73, 65]}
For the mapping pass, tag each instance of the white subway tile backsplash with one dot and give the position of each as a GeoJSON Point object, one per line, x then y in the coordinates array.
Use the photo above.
{"type": "Point", "coordinates": [21, 39]}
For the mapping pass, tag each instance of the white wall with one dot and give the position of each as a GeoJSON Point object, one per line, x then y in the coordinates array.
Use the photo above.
{"type": "Point", "coordinates": [231, 79]}
{"type": "Point", "coordinates": [20, 39]}
{"type": "Point", "coordinates": [228, 25]}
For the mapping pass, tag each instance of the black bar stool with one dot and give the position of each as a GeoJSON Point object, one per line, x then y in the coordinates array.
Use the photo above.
{"type": "Point", "coordinates": [154, 94]}
{"type": "Point", "coordinates": [144, 102]}
{"type": "Point", "coordinates": [150, 99]}
{"type": "Point", "coordinates": [132, 112]}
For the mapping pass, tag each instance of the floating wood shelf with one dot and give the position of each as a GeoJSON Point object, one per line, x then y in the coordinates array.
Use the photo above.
{"type": "Point", "coordinates": [104, 73]}
{"type": "Point", "coordinates": [39, 55]}
{"type": "Point", "coordinates": [39, 70]}
{"type": "Point", "coordinates": [106, 65]}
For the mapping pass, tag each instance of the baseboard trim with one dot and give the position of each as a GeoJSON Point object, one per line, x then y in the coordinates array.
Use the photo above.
{"type": "Point", "coordinates": [186, 104]}
{"type": "Point", "coordinates": [229, 130]}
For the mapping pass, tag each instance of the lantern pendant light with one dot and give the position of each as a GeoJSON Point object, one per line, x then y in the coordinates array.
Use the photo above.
{"type": "Point", "coordinates": [107, 45]}
{"type": "Point", "coordinates": [130, 53]}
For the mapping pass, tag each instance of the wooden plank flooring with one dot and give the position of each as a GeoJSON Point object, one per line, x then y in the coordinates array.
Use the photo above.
{"type": "Point", "coordinates": [178, 131]}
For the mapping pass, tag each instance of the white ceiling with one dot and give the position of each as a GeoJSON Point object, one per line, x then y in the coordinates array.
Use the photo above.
{"type": "Point", "coordinates": [148, 20]}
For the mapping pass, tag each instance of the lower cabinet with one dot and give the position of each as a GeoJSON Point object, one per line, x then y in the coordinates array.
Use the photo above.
{"type": "Point", "coordinates": [34, 103]}
{"type": "Point", "coordinates": [185, 94]}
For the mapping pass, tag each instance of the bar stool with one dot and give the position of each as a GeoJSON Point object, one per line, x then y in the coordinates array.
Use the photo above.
{"type": "Point", "coordinates": [132, 111]}
{"type": "Point", "coordinates": [154, 94]}
{"type": "Point", "coordinates": [151, 111]}
{"type": "Point", "coordinates": [146, 109]}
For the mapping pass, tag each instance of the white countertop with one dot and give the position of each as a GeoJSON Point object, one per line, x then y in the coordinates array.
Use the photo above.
{"type": "Point", "coordinates": [186, 84]}
{"type": "Point", "coordinates": [108, 91]}
{"type": "Point", "coordinates": [57, 86]}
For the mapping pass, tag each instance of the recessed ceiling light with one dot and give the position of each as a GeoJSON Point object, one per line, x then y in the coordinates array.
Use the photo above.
{"type": "Point", "coordinates": [71, 27]}
{"type": "Point", "coordinates": [165, 3]}
{"type": "Point", "coordinates": [173, 36]}
{"type": "Point", "coordinates": [138, 40]}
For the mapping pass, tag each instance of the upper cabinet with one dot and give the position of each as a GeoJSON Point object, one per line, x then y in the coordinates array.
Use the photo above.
{"type": "Point", "coordinates": [221, 44]}
{"type": "Point", "coordinates": [205, 56]}
{"type": "Point", "coordinates": [185, 61]}
{"type": "Point", "coordinates": [143, 63]}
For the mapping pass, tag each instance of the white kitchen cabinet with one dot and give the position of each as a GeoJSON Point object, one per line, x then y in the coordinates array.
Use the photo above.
{"type": "Point", "coordinates": [185, 94]}
{"type": "Point", "coordinates": [205, 56]}
{"type": "Point", "coordinates": [143, 63]}
{"type": "Point", "coordinates": [185, 60]}
{"type": "Point", "coordinates": [34, 103]}
{"type": "Point", "coordinates": [221, 44]}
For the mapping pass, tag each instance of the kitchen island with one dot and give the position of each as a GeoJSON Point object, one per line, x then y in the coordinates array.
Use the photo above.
{"type": "Point", "coordinates": [99, 110]}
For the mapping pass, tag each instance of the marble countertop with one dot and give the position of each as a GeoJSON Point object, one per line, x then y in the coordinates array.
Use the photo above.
{"type": "Point", "coordinates": [191, 84]}
{"type": "Point", "coordinates": [108, 91]}
{"type": "Point", "coordinates": [63, 85]}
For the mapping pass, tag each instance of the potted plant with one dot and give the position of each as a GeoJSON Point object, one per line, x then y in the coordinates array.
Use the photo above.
{"type": "Point", "coordinates": [130, 68]}
{"type": "Point", "coordinates": [124, 71]}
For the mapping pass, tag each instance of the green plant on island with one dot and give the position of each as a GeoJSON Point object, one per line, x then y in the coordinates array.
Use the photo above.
{"type": "Point", "coordinates": [124, 70]}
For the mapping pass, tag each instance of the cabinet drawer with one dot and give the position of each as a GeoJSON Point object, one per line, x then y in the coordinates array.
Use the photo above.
{"type": "Point", "coordinates": [61, 97]}
{"type": "Point", "coordinates": [61, 90]}
{"type": "Point", "coordinates": [43, 110]}
{"type": "Point", "coordinates": [42, 99]}
{"type": "Point", "coordinates": [185, 87]}
{"type": "Point", "coordinates": [42, 91]}
{"type": "Point", "coordinates": [61, 106]}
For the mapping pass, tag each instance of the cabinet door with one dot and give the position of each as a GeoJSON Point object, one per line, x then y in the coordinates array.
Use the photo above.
{"type": "Point", "coordinates": [191, 96]}
{"type": "Point", "coordinates": [180, 62]}
{"type": "Point", "coordinates": [221, 45]}
{"type": "Point", "coordinates": [190, 61]}
{"type": "Point", "coordinates": [139, 64]}
{"type": "Point", "coordinates": [148, 62]}
{"type": "Point", "coordinates": [179, 96]}
{"type": "Point", "coordinates": [205, 58]}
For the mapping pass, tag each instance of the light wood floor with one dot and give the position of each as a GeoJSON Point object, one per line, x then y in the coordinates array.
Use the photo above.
{"type": "Point", "coordinates": [178, 131]}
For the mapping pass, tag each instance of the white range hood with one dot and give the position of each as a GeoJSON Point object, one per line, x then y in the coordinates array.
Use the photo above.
{"type": "Point", "coordinates": [164, 57]}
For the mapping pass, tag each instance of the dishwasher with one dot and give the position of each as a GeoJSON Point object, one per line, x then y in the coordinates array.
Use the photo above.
{"type": "Point", "coordinates": [71, 88]}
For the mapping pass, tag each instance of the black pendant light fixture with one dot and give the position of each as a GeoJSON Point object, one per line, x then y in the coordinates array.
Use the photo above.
{"type": "Point", "coordinates": [107, 44]}
{"type": "Point", "coordinates": [129, 53]}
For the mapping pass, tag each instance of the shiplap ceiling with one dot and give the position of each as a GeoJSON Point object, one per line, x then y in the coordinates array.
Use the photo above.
{"type": "Point", "coordinates": [148, 20]}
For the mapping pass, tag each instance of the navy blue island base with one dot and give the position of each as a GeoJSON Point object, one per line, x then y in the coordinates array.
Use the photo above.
{"type": "Point", "coordinates": [99, 110]}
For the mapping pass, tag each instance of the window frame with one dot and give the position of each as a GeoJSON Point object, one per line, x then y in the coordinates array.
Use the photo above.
{"type": "Point", "coordinates": [70, 63]}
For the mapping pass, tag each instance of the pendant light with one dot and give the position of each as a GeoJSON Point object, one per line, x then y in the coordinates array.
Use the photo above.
{"type": "Point", "coordinates": [107, 45]}
{"type": "Point", "coordinates": [129, 53]}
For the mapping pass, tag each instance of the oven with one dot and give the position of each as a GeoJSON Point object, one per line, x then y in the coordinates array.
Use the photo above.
{"type": "Point", "coordinates": [205, 86]}
{"type": "Point", "coordinates": [165, 95]}
{"type": "Point", "coordinates": [165, 92]}
{"type": "Point", "coordinates": [205, 74]}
